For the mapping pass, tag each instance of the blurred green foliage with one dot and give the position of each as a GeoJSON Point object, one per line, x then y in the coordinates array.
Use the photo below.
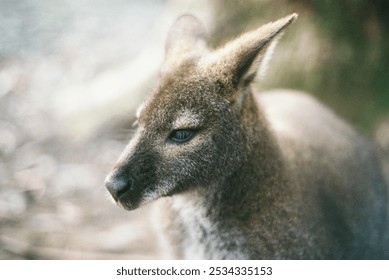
{"type": "Point", "coordinates": [347, 52]}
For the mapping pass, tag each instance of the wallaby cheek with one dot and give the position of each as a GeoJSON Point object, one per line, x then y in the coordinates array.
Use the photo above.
{"type": "Point", "coordinates": [229, 144]}
{"type": "Point", "coordinates": [204, 164]}
{"type": "Point", "coordinates": [227, 159]}
{"type": "Point", "coordinates": [184, 166]}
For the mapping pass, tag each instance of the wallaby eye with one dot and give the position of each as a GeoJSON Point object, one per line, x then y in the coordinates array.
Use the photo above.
{"type": "Point", "coordinates": [181, 135]}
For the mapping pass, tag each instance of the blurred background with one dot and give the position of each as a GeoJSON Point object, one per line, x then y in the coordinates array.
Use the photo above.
{"type": "Point", "coordinates": [72, 72]}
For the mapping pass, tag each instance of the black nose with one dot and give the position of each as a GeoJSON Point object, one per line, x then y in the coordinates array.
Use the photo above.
{"type": "Point", "coordinates": [118, 184]}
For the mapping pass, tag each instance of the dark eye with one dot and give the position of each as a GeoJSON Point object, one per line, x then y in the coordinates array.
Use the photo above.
{"type": "Point", "coordinates": [181, 135]}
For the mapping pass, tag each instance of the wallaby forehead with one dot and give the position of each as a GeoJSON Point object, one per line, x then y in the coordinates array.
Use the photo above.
{"type": "Point", "coordinates": [183, 99]}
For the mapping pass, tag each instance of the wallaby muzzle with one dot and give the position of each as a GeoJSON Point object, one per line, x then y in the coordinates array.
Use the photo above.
{"type": "Point", "coordinates": [121, 187]}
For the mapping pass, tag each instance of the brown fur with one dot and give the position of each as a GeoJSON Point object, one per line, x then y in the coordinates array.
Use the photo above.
{"type": "Point", "coordinates": [271, 176]}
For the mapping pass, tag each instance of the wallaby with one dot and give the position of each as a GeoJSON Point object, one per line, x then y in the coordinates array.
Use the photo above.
{"type": "Point", "coordinates": [275, 175]}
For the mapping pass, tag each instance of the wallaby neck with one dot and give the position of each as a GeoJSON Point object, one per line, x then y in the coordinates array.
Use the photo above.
{"type": "Point", "coordinates": [258, 182]}
{"type": "Point", "coordinates": [221, 215]}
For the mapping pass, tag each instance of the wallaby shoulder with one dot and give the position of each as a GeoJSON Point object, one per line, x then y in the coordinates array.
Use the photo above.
{"type": "Point", "coordinates": [333, 167]}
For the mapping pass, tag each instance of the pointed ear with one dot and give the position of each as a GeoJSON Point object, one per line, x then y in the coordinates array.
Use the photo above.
{"type": "Point", "coordinates": [239, 60]}
{"type": "Point", "coordinates": [186, 37]}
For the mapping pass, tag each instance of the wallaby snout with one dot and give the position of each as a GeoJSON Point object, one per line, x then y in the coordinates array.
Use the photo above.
{"type": "Point", "coordinates": [132, 180]}
{"type": "Point", "coordinates": [119, 184]}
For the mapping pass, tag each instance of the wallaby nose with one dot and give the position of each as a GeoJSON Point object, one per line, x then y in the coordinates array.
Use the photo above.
{"type": "Point", "coordinates": [118, 184]}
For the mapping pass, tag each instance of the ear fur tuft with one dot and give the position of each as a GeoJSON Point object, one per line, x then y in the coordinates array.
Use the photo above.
{"type": "Point", "coordinates": [186, 38]}
{"type": "Point", "coordinates": [239, 60]}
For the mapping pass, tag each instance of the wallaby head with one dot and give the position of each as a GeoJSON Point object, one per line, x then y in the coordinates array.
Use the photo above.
{"type": "Point", "coordinates": [196, 128]}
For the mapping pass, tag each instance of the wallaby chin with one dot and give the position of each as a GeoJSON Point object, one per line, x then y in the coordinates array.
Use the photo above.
{"type": "Point", "coordinates": [249, 176]}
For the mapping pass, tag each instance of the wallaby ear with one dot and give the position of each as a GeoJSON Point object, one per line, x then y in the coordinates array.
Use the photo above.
{"type": "Point", "coordinates": [239, 60]}
{"type": "Point", "coordinates": [186, 37]}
